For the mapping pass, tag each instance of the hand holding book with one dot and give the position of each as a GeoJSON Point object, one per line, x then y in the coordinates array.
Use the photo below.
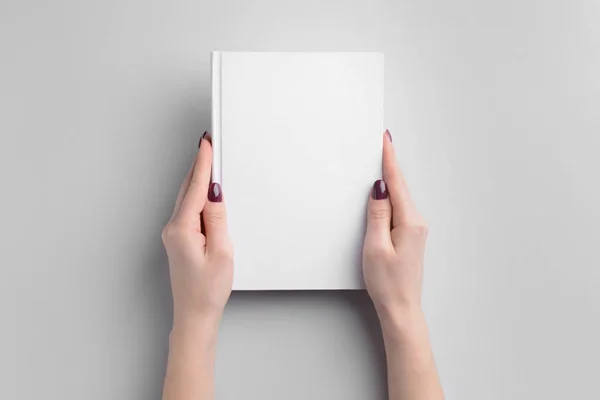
{"type": "Point", "coordinates": [393, 253]}
{"type": "Point", "coordinates": [201, 268]}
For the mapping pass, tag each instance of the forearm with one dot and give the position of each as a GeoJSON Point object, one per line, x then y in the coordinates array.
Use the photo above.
{"type": "Point", "coordinates": [412, 374]}
{"type": "Point", "coordinates": [190, 369]}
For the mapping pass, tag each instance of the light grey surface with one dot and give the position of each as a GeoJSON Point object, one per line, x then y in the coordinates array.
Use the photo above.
{"type": "Point", "coordinates": [495, 111]}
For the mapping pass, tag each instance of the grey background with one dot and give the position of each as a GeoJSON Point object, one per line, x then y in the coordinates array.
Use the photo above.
{"type": "Point", "coordinates": [494, 108]}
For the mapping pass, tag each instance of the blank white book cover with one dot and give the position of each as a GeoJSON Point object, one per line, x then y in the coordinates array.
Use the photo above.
{"type": "Point", "coordinates": [297, 141]}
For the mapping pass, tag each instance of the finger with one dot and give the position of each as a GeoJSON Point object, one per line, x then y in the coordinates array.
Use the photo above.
{"type": "Point", "coordinates": [214, 217]}
{"type": "Point", "coordinates": [402, 204]}
{"type": "Point", "coordinates": [183, 190]}
{"type": "Point", "coordinates": [379, 216]}
{"type": "Point", "coordinates": [186, 183]}
{"type": "Point", "coordinates": [195, 197]}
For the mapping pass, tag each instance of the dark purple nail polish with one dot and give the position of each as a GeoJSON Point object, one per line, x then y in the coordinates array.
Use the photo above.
{"type": "Point", "coordinates": [201, 137]}
{"type": "Point", "coordinates": [379, 191]}
{"type": "Point", "coordinates": [389, 135]}
{"type": "Point", "coordinates": [214, 193]}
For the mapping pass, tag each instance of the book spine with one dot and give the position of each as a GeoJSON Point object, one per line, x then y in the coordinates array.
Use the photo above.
{"type": "Point", "coordinates": [216, 129]}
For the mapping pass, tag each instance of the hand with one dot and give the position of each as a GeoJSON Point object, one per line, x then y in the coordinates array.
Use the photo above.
{"type": "Point", "coordinates": [394, 243]}
{"type": "Point", "coordinates": [200, 254]}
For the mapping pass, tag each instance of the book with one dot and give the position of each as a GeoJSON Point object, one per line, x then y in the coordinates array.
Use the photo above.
{"type": "Point", "coordinates": [297, 141]}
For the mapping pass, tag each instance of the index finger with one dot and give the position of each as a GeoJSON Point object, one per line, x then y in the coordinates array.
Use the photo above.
{"type": "Point", "coordinates": [402, 204]}
{"type": "Point", "coordinates": [195, 198]}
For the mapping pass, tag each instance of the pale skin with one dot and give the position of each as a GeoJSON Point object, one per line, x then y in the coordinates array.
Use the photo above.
{"type": "Point", "coordinates": [201, 270]}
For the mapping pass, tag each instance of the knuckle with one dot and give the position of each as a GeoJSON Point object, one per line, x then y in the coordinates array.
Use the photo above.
{"type": "Point", "coordinates": [417, 227]}
{"type": "Point", "coordinates": [171, 231]}
{"type": "Point", "coordinates": [214, 218]}
{"type": "Point", "coordinates": [376, 250]}
{"type": "Point", "coordinates": [421, 227]}
{"type": "Point", "coordinates": [165, 233]}
{"type": "Point", "coordinates": [379, 213]}
{"type": "Point", "coordinates": [373, 251]}
{"type": "Point", "coordinates": [224, 254]}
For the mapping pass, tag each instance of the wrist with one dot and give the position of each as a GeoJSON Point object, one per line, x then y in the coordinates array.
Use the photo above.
{"type": "Point", "coordinates": [401, 323]}
{"type": "Point", "coordinates": [196, 326]}
{"type": "Point", "coordinates": [405, 332]}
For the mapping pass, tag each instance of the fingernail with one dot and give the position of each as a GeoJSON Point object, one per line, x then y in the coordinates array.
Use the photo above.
{"type": "Point", "coordinates": [379, 191]}
{"type": "Point", "coordinates": [389, 135]}
{"type": "Point", "coordinates": [201, 137]}
{"type": "Point", "coordinates": [214, 193]}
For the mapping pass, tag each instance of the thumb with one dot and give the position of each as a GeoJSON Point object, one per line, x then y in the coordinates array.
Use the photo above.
{"type": "Point", "coordinates": [215, 220]}
{"type": "Point", "coordinates": [379, 216]}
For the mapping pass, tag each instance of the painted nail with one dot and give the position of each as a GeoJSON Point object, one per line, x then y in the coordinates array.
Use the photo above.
{"type": "Point", "coordinates": [214, 193]}
{"type": "Point", "coordinates": [201, 137]}
{"type": "Point", "coordinates": [389, 135]}
{"type": "Point", "coordinates": [379, 191]}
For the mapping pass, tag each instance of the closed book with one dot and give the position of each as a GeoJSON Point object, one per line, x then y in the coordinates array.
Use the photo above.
{"type": "Point", "coordinates": [297, 141]}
